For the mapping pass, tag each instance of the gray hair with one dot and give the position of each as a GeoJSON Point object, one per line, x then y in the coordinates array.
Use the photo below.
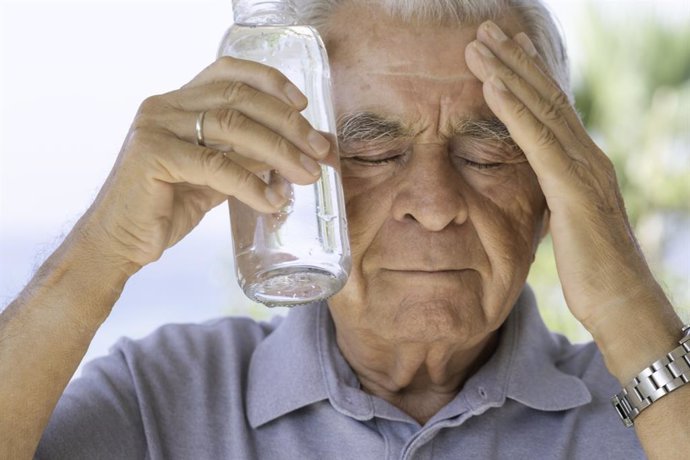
{"type": "Point", "coordinates": [533, 15]}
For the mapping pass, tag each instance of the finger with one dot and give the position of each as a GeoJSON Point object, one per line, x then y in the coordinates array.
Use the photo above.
{"type": "Point", "coordinates": [231, 131]}
{"type": "Point", "coordinates": [268, 110]}
{"type": "Point", "coordinates": [186, 163]}
{"type": "Point", "coordinates": [482, 61]}
{"type": "Point", "coordinates": [531, 68]}
{"type": "Point", "coordinates": [262, 77]}
{"type": "Point", "coordinates": [539, 144]}
{"type": "Point", "coordinates": [574, 118]}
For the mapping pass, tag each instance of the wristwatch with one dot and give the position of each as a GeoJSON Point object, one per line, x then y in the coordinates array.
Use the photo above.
{"type": "Point", "coordinates": [659, 379]}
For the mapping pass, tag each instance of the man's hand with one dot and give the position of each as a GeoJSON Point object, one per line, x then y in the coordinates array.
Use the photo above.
{"type": "Point", "coordinates": [599, 262]}
{"type": "Point", "coordinates": [605, 278]}
{"type": "Point", "coordinates": [163, 183]}
{"type": "Point", "coordinates": [159, 189]}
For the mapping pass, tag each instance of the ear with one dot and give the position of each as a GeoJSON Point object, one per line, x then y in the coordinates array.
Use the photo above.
{"type": "Point", "coordinates": [545, 218]}
{"type": "Point", "coordinates": [545, 224]}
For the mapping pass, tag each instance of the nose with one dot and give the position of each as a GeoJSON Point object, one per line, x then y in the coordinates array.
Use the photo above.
{"type": "Point", "coordinates": [431, 191]}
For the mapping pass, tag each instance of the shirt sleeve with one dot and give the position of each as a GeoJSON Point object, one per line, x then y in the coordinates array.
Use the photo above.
{"type": "Point", "coordinates": [98, 415]}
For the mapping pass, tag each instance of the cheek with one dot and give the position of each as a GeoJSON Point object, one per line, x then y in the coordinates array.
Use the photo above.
{"type": "Point", "coordinates": [368, 203]}
{"type": "Point", "coordinates": [509, 212]}
{"type": "Point", "coordinates": [365, 217]}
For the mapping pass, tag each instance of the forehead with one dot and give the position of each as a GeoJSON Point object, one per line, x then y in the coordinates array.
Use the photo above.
{"type": "Point", "coordinates": [362, 35]}
{"type": "Point", "coordinates": [384, 65]}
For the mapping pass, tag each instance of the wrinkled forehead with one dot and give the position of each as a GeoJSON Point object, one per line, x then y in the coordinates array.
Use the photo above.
{"type": "Point", "coordinates": [373, 41]}
{"type": "Point", "coordinates": [374, 53]}
{"type": "Point", "coordinates": [356, 28]}
{"type": "Point", "coordinates": [384, 65]}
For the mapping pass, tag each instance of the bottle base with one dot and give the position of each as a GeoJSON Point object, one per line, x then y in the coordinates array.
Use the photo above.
{"type": "Point", "coordinates": [291, 286]}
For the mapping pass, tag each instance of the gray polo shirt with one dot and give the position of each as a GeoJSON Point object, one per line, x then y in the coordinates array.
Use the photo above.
{"type": "Point", "coordinates": [237, 389]}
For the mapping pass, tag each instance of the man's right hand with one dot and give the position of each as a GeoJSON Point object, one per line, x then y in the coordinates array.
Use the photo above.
{"type": "Point", "coordinates": [163, 182]}
{"type": "Point", "coordinates": [159, 189]}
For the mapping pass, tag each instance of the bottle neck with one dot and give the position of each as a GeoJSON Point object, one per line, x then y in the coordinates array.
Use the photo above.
{"type": "Point", "coordinates": [264, 12]}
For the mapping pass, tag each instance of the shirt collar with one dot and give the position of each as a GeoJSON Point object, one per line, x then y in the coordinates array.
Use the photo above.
{"type": "Point", "coordinates": [285, 370]}
{"type": "Point", "coordinates": [525, 366]}
{"type": "Point", "coordinates": [299, 364]}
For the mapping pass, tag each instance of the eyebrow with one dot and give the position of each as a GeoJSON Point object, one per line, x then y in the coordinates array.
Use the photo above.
{"type": "Point", "coordinates": [371, 127]}
{"type": "Point", "coordinates": [485, 129]}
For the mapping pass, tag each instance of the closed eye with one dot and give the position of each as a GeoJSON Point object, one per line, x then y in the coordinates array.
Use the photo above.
{"type": "Point", "coordinates": [375, 161]}
{"type": "Point", "coordinates": [372, 161]}
{"type": "Point", "coordinates": [474, 164]}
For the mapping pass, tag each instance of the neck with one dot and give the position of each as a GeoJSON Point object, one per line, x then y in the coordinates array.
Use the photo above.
{"type": "Point", "coordinates": [418, 378]}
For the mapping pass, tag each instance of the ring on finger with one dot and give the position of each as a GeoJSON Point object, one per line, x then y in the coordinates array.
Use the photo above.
{"type": "Point", "coordinates": [200, 129]}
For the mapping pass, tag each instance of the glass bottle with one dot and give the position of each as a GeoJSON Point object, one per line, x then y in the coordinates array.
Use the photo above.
{"type": "Point", "coordinates": [301, 253]}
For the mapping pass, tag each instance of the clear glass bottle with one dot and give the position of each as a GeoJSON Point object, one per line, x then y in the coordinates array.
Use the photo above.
{"type": "Point", "coordinates": [302, 253]}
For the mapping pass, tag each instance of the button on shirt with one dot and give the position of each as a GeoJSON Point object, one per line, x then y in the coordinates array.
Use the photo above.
{"type": "Point", "coordinates": [237, 389]}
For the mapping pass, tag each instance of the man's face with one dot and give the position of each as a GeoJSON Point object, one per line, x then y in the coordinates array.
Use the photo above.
{"type": "Point", "coordinates": [444, 220]}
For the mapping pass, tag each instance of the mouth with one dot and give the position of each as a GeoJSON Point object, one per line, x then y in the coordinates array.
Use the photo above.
{"type": "Point", "coordinates": [423, 271]}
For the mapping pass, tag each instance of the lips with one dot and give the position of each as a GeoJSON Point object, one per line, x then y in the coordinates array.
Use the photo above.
{"type": "Point", "coordinates": [422, 271]}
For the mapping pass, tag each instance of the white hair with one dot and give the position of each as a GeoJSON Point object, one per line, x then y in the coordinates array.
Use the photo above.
{"type": "Point", "coordinates": [533, 15]}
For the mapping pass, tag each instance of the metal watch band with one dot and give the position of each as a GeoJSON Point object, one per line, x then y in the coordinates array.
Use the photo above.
{"type": "Point", "coordinates": [659, 379]}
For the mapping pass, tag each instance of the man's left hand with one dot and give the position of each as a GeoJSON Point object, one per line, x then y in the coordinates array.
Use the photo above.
{"type": "Point", "coordinates": [603, 273]}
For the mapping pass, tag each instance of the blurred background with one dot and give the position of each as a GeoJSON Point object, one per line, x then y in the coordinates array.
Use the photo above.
{"type": "Point", "coordinates": [73, 73]}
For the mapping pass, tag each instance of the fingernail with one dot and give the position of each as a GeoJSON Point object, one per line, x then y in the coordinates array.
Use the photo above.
{"type": "Point", "coordinates": [318, 143]}
{"type": "Point", "coordinates": [274, 197]}
{"type": "Point", "coordinates": [483, 49]}
{"type": "Point", "coordinates": [526, 44]}
{"type": "Point", "coordinates": [310, 165]}
{"type": "Point", "coordinates": [498, 84]}
{"type": "Point", "coordinates": [295, 95]}
{"type": "Point", "coordinates": [494, 31]}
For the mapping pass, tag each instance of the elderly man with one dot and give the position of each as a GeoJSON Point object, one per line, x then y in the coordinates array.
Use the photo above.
{"type": "Point", "coordinates": [459, 151]}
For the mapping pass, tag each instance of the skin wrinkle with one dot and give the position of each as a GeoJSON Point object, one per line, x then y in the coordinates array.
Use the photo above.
{"type": "Point", "coordinates": [440, 249]}
{"type": "Point", "coordinates": [423, 76]}
{"type": "Point", "coordinates": [369, 131]}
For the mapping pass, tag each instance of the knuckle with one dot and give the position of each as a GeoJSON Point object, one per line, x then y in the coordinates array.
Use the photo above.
{"type": "Point", "coordinates": [560, 100]}
{"type": "Point", "coordinates": [212, 162]}
{"type": "Point", "coordinates": [234, 91]}
{"type": "Point", "coordinates": [142, 143]}
{"type": "Point", "coordinates": [521, 111]}
{"type": "Point", "coordinates": [549, 111]}
{"type": "Point", "coordinates": [149, 109]}
{"type": "Point", "coordinates": [280, 144]}
{"type": "Point", "coordinates": [519, 56]}
{"type": "Point", "coordinates": [226, 61]}
{"type": "Point", "coordinates": [293, 119]}
{"type": "Point", "coordinates": [152, 115]}
{"type": "Point", "coordinates": [243, 179]}
{"type": "Point", "coordinates": [510, 77]}
{"type": "Point", "coordinates": [141, 137]}
{"type": "Point", "coordinates": [274, 76]}
{"type": "Point", "coordinates": [230, 120]}
{"type": "Point", "coordinates": [606, 165]}
{"type": "Point", "coordinates": [150, 103]}
{"type": "Point", "coordinates": [545, 137]}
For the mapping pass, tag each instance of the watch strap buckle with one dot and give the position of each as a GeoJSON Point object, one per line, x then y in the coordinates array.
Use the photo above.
{"type": "Point", "coordinates": [624, 409]}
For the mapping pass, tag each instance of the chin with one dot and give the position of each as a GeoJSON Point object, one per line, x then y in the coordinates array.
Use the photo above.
{"type": "Point", "coordinates": [432, 318]}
